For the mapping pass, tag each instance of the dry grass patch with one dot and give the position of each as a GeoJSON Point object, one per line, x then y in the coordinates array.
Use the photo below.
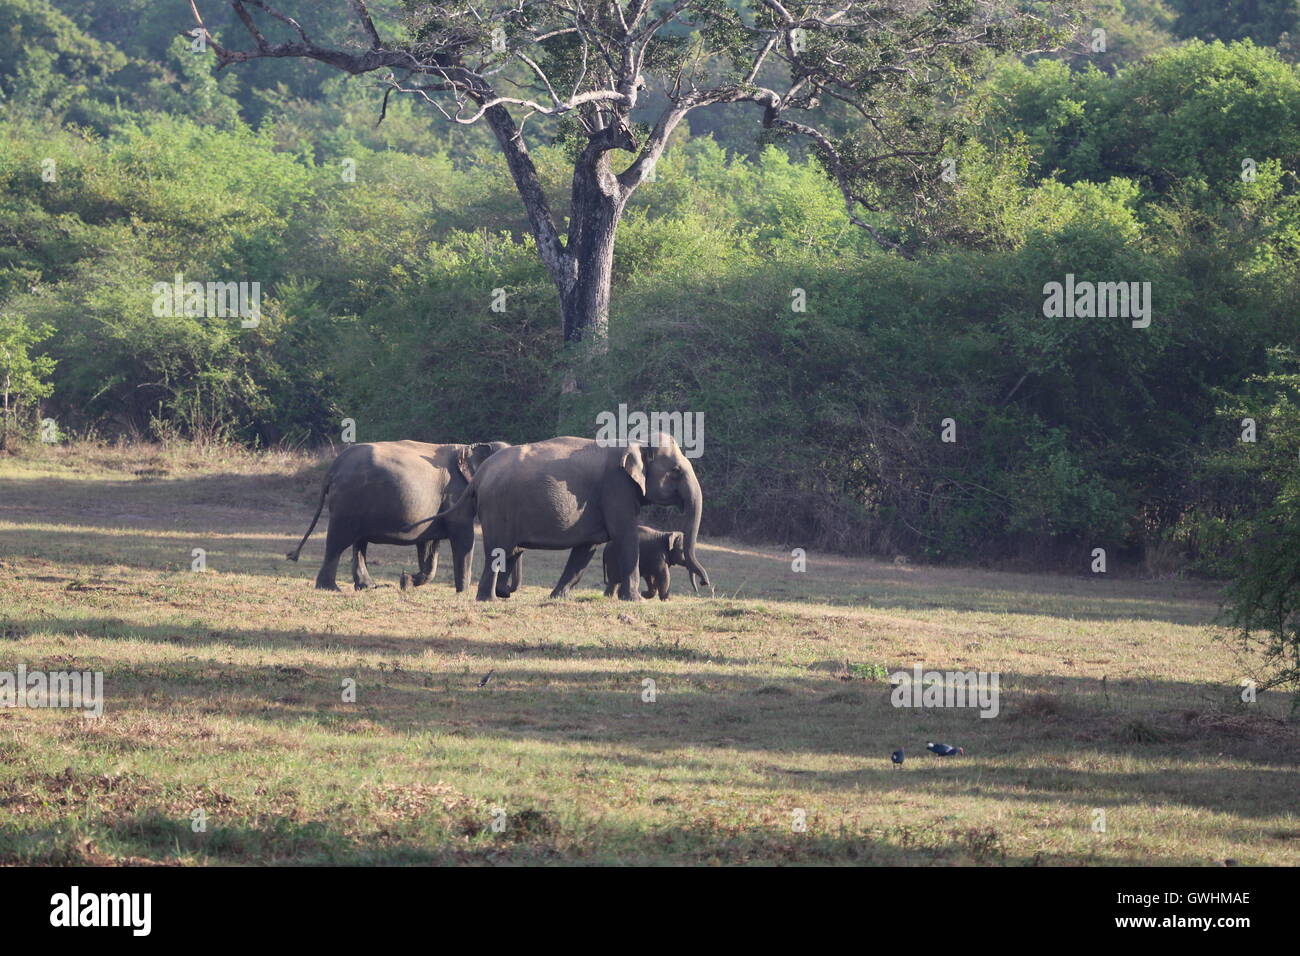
{"type": "Point", "coordinates": [225, 695]}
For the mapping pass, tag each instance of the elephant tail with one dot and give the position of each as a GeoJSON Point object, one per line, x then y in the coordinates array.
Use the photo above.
{"type": "Point", "coordinates": [437, 523]}
{"type": "Point", "coordinates": [293, 555]}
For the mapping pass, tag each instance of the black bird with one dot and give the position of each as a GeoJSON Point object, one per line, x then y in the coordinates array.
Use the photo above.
{"type": "Point", "coordinates": [897, 757]}
{"type": "Point", "coordinates": [943, 750]}
{"type": "Point", "coordinates": [487, 677]}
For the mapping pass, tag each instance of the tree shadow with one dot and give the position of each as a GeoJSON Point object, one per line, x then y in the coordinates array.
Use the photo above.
{"type": "Point", "coordinates": [756, 573]}
{"type": "Point", "coordinates": [190, 505]}
{"type": "Point", "coordinates": [211, 511]}
{"type": "Point", "coordinates": [1029, 752]}
{"type": "Point", "coordinates": [152, 836]}
{"type": "Point", "coordinates": [392, 647]}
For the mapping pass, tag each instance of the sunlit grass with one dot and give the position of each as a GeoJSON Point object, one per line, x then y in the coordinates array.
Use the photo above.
{"type": "Point", "coordinates": [225, 695]}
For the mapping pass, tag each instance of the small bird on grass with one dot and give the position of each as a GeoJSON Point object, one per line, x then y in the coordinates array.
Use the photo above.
{"type": "Point", "coordinates": [897, 758]}
{"type": "Point", "coordinates": [487, 677]}
{"type": "Point", "coordinates": [943, 750]}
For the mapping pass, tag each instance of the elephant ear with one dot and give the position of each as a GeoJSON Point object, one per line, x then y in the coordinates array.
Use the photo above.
{"type": "Point", "coordinates": [632, 464]}
{"type": "Point", "coordinates": [469, 458]}
{"type": "Point", "coordinates": [677, 542]}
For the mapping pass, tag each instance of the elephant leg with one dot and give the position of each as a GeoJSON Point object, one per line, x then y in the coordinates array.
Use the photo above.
{"type": "Point", "coordinates": [487, 583]}
{"type": "Point", "coordinates": [579, 558]}
{"type": "Point", "coordinates": [611, 572]}
{"type": "Point", "coordinates": [509, 578]}
{"type": "Point", "coordinates": [337, 540]}
{"type": "Point", "coordinates": [627, 558]}
{"type": "Point", "coordinates": [427, 554]}
{"type": "Point", "coordinates": [360, 573]}
{"type": "Point", "coordinates": [462, 556]}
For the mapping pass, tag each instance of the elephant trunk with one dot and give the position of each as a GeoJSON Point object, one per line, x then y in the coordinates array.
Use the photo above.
{"type": "Point", "coordinates": [693, 506]}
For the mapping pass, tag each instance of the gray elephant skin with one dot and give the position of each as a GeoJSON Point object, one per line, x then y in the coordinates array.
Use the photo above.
{"type": "Point", "coordinates": [577, 494]}
{"type": "Point", "coordinates": [384, 493]}
{"type": "Point", "coordinates": [660, 550]}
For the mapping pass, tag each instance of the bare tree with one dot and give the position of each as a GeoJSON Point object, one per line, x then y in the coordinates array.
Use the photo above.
{"type": "Point", "coordinates": [884, 64]}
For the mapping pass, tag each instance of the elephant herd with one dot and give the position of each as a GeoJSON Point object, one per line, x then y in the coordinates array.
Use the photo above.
{"type": "Point", "coordinates": [569, 494]}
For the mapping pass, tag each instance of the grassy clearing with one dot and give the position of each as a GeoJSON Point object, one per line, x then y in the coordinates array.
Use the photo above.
{"type": "Point", "coordinates": [224, 695]}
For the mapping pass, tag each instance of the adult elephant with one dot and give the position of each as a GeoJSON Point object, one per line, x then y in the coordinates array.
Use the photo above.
{"type": "Point", "coordinates": [576, 494]}
{"type": "Point", "coordinates": [378, 493]}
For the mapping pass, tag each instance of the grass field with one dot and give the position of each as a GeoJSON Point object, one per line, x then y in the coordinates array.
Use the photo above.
{"type": "Point", "coordinates": [224, 695]}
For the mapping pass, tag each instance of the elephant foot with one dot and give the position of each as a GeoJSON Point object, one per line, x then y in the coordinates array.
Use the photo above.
{"type": "Point", "coordinates": [419, 579]}
{"type": "Point", "coordinates": [362, 585]}
{"type": "Point", "coordinates": [326, 586]}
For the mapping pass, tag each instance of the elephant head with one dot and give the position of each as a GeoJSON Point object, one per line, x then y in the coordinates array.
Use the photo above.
{"type": "Point", "coordinates": [664, 476]}
{"type": "Point", "coordinates": [676, 549]}
{"type": "Point", "coordinates": [470, 457]}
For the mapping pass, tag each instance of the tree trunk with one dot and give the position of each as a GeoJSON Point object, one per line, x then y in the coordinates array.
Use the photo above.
{"type": "Point", "coordinates": [4, 416]}
{"type": "Point", "coordinates": [584, 301]}
{"type": "Point", "coordinates": [581, 265]}
{"type": "Point", "coordinates": [597, 207]}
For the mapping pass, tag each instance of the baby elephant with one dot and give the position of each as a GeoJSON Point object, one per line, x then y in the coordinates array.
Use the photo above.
{"type": "Point", "coordinates": [659, 551]}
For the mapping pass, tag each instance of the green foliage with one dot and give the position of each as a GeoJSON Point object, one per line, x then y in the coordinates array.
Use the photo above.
{"type": "Point", "coordinates": [122, 214]}
{"type": "Point", "coordinates": [1254, 519]}
{"type": "Point", "coordinates": [23, 376]}
{"type": "Point", "coordinates": [1135, 29]}
{"type": "Point", "coordinates": [1188, 115]}
{"type": "Point", "coordinates": [1264, 21]}
{"type": "Point", "coordinates": [46, 62]}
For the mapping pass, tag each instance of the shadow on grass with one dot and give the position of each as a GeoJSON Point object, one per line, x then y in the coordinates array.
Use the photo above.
{"type": "Point", "coordinates": [186, 505]}
{"type": "Point", "coordinates": [395, 647]}
{"type": "Point", "coordinates": [1175, 729]}
{"type": "Point", "coordinates": [153, 838]}
{"type": "Point", "coordinates": [272, 511]}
